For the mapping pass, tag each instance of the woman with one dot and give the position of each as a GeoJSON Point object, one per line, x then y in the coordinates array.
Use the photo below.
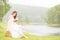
{"type": "Point", "coordinates": [13, 28]}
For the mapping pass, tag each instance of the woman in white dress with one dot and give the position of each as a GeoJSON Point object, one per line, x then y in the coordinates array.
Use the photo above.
{"type": "Point", "coordinates": [13, 27]}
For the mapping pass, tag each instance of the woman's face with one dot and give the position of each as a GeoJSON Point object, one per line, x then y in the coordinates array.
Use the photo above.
{"type": "Point", "coordinates": [14, 14]}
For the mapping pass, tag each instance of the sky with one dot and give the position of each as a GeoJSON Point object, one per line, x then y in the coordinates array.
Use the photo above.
{"type": "Point", "coordinates": [39, 3]}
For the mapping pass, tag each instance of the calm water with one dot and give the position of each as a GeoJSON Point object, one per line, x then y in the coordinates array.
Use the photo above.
{"type": "Point", "coordinates": [41, 30]}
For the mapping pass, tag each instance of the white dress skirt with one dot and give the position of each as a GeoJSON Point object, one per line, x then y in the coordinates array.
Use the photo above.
{"type": "Point", "coordinates": [15, 29]}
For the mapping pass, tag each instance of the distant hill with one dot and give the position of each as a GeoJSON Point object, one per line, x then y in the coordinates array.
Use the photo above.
{"type": "Point", "coordinates": [34, 14]}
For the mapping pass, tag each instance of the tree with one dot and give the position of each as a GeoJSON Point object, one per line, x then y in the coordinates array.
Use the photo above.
{"type": "Point", "coordinates": [27, 20]}
{"type": "Point", "coordinates": [53, 16]}
{"type": "Point", "coordinates": [4, 7]}
{"type": "Point", "coordinates": [20, 18]}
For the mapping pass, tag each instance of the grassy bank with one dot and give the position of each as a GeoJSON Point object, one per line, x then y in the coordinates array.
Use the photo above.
{"type": "Point", "coordinates": [30, 36]}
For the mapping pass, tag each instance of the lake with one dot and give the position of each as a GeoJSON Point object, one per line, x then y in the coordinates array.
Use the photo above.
{"type": "Point", "coordinates": [41, 30]}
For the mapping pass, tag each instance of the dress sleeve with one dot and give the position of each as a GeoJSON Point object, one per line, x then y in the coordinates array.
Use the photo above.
{"type": "Point", "coordinates": [10, 22]}
{"type": "Point", "coordinates": [10, 19]}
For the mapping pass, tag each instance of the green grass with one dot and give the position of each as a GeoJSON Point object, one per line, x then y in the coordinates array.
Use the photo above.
{"type": "Point", "coordinates": [30, 36]}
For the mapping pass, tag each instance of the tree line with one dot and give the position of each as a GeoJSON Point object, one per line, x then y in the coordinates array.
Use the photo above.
{"type": "Point", "coordinates": [4, 8]}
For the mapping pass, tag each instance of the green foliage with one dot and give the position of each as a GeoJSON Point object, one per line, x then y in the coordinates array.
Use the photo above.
{"type": "Point", "coordinates": [53, 15]}
{"type": "Point", "coordinates": [27, 20]}
{"type": "Point", "coordinates": [4, 7]}
{"type": "Point", "coordinates": [23, 19]}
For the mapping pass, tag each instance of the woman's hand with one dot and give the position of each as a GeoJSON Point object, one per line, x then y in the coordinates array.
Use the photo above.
{"type": "Point", "coordinates": [15, 20]}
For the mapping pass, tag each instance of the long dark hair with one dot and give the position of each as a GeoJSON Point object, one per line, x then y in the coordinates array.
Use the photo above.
{"type": "Point", "coordinates": [15, 15]}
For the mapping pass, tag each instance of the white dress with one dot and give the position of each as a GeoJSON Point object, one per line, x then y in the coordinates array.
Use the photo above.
{"type": "Point", "coordinates": [15, 29]}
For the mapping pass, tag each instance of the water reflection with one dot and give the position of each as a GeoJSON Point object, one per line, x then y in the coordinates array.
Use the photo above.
{"type": "Point", "coordinates": [41, 30]}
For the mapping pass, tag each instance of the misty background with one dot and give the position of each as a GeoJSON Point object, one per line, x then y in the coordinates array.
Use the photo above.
{"type": "Point", "coordinates": [31, 14]}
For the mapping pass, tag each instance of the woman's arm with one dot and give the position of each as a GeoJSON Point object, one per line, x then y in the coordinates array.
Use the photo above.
{"type": "Point", "coordinates": [16, 19]}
